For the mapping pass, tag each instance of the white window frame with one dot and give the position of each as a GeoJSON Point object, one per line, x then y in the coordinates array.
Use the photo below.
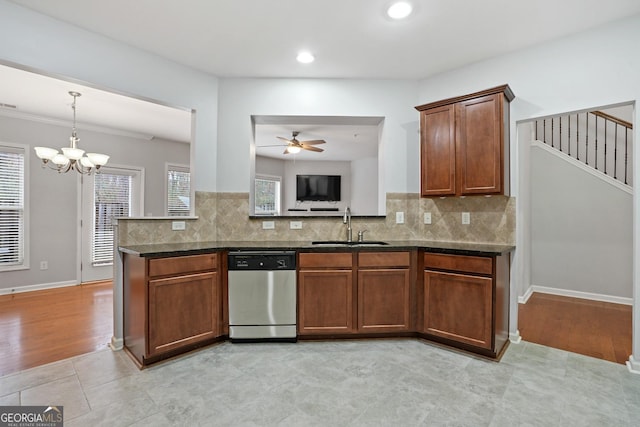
{"type": "Point", "coordinates": [24, 150]}
{"type": "Point", "coordinates": [180, 168]}
{"type": "Point", "coordinates": [138, 175]}
{"type": "Point", "coordinates": [278, 202]}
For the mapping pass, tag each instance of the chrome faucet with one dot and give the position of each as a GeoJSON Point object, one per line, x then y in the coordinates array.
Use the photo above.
{"type": "Point", "coordinates": [347, 220]}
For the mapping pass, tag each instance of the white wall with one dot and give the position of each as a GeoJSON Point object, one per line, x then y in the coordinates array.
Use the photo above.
{"type": "Point", "coordinates": [45, 44]}
{"type": "Point", "coordinates": [341, 168]}
{"type": "Point", "coordinates": [364, 184]}
{"type": "Point", "coordinates": [580, 228]}
{"type": "Point", "coordinates": [53, 220]}
{"type": "Point", "coordinates": [392, 99]}
{"type": "Point", "coordinates": [359, 189]}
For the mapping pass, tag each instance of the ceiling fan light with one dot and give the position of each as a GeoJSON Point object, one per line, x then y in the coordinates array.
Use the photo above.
{"type": "Point", "coordinates": [293, 149]}
{"type": "Point", "coordinates": [98, 159]}
{"type": "Point", "coordinates": [400, 10]}
{"type": "Point", "coordinates": [45, 153]}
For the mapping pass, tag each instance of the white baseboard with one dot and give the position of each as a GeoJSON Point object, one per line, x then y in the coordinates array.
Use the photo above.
{"type": "Point", "coordinates": [524, 298]}
{"type": "Point", "coordinates": [574, 294]}
{"type": "Point", "coordinates": [633, 365]}
{"type": "Point", "coordinates": [39, 287]}
{"type": "Point", "coordinates": [116, 344]}
{"type": "Point", "coordinates": [515, 337]}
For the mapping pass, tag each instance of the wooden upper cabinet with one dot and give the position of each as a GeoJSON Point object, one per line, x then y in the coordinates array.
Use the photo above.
{"type": "Point", "coordinates": [465, 144]}
{"type": "Point", "coordinates": [438, 151]}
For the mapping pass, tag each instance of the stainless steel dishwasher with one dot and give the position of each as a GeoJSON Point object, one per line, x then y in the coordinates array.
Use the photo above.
{"type": "Point", "coordinates": [262, 295]}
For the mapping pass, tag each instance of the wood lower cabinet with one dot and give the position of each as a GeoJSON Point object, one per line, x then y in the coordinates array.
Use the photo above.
{"type": "Point", "coordinates": [325, 293]}
{"type": "Point", "coordinates": [458, 307]}
{"type": "Point", "coordinates": [170, 304]}
{"type": "Point", "coordinates": [466, 301]}
{"type": "Point", "coordinates": [384, 303]}
{"type": "Point", "coordinates": [182, 311]}
{"type": "Point", "coordinates": [354, 293]}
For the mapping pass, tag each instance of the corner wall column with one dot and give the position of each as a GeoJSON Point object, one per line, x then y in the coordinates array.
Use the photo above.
{"type": "Point", "coordinates": [117, 340]}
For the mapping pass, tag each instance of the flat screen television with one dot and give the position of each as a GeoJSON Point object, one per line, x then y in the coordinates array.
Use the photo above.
{"type": "Point", "coordinates": [321, 188]}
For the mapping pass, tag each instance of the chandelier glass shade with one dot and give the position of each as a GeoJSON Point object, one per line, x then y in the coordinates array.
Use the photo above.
{"type": "Point", "coordinates": [72, 157]}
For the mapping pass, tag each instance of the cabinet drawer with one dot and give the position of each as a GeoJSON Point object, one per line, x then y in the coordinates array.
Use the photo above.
{"type": "Point", "coordinates": [325, 260]}
{"type": "Point", "coordinates": [180, 265]}
{"type": "Point", "coordinates": [384, 259]}
{"type": "Point", "coordinates": [464, 263]}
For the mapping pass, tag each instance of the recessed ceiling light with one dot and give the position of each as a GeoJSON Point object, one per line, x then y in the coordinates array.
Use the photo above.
{"type": "Point", "coordinates": [305, 57]}
{"type": "Point", "coordinates": [399, 10]}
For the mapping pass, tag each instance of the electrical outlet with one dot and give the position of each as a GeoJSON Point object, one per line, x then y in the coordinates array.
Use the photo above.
{"type": "Point", "coordinates": [268, 225]}
{"type": "Point", "coordinates": [466, 218]}
{"type": "Point", "coordinates": [44, 265]}
{"type": "Point", "coordinates": [295, 225]}
{"type": "Point", "coordinates": [427, 217]}
{"type": "Point", "coordinates": [178, 225]}
{"type": "Point", "coordinates": [399, 217]}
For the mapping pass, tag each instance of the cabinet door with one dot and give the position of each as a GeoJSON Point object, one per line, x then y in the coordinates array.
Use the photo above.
{"type": "Point", "coordinates": [480, 146]}
{"type": "Point", "coordinates": [183, 310]}
{"type": "Point", "coordinates": [383, 300]}
{"type": "Point", "coordinates": [325, 301]}
{"type": "Point", "coordinates": [458, 307]}
{"type": "Point", "coordinates": [438, 151]}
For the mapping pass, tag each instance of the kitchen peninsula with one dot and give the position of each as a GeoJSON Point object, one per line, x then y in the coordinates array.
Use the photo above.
{"type": "Point", "coordinates": [456, 294]}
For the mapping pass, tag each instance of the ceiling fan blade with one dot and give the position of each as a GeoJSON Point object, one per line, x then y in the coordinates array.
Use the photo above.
{"type": "Point", "coordinates": [314, 142]}
{"type": "Point", "coordinates": [274, 145]}
{"type": "Point", "coordinates": [284, 139]}
{"type": "Point", "coordinates": [286, 151]}
{"type": "Point", "coordinates": [310, 148]}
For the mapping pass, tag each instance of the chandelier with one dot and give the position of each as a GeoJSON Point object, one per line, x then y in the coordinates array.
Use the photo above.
{"type": "Point", "coordinates": [72, 157]}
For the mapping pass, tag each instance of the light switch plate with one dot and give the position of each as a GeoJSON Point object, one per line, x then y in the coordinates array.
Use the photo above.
{"type": "Point", "coordinates": [268, 225]}
{"type": "Point", "coordinates": [295, 225]}
{"type": "Point", "coordinates": [399, 217]}
{"type": "Point", "coordinates": [178, 225]}
{"type": "Point", "coordinates": [427, 217]}
{"type": "Point", "coordinates": [466, 218]}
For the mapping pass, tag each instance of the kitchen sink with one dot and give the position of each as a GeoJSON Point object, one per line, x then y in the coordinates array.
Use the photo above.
{"type": "Point", "coordinates": [345, 243]}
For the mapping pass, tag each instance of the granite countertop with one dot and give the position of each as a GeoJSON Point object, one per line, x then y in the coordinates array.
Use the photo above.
{"type": "Point", "coordinates": [194, 248]}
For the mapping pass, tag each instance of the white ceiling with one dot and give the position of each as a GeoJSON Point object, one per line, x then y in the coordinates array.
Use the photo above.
{"type": "Point", "coordinates": [41, 98]}
{"type": "Point", "coordinates": [350, 39]}
{"type": "Point", "coordinates": [260, 38]}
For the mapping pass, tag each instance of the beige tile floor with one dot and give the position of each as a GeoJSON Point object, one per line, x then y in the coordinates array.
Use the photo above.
{"type": "Point", "coordinates": [342, 383]}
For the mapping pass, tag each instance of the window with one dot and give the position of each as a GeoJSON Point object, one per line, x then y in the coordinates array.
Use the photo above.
{"type": "Point", "coordinates": [112, 198]}
{"type": "Point", "coordinates": [178, 190]}
{"type": "Point", "coordinates": [267, 195]}
{"type": "Point", "coordinates": [12, 207]}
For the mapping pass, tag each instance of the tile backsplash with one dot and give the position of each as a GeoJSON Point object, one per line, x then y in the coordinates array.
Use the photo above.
{"type": "Point", "coordinates": [225, 217]}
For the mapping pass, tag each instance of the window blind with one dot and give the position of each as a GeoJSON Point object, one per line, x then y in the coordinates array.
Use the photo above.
{"type": "Point", "coordinates": [178, 191]}
{"type": "Point", "coordinates": [112, 198]}
{"type": "Point", "coordinates": [267, 195]}
{"type": "Point", "coordinates": [11, 206]}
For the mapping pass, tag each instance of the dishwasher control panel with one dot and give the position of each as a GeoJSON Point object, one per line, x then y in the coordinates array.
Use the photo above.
{"type": "Point", "coordinates": [262, 260]}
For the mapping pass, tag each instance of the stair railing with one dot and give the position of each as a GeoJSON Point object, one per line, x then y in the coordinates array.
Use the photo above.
{"type": "Point", "coordinates": [589, 138]}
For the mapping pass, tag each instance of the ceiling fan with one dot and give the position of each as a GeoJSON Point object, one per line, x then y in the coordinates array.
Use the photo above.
{"type": "Point", "coordinates": [294, 146]}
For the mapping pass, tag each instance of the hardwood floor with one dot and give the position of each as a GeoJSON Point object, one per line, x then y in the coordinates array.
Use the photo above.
{"type": "Point", "coordinates": [592, 328]}
{"type": "Point", "coordinates": [45, 326]}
